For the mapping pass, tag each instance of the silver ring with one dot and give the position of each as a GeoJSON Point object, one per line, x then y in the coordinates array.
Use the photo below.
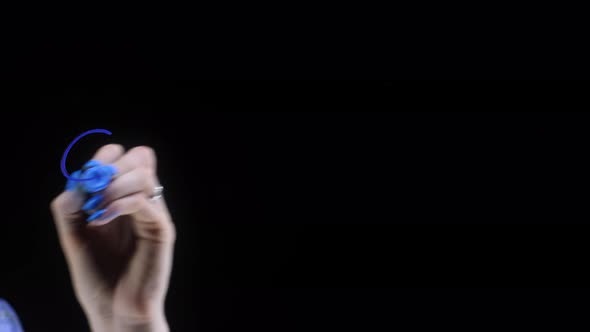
{"type": "Point", "coordinates": [157, 194]}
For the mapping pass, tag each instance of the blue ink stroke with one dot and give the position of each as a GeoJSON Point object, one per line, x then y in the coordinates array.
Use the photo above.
{"type": "Point", "coordinates": [63, 159]}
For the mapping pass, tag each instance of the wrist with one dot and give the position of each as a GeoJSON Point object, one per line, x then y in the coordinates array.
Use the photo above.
{"type": "Point", "coordinates": [153, 323]}
{"type": "Point", "coordinates": [157, 324]}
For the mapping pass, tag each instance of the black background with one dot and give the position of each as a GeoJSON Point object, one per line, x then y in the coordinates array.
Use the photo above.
{"type": "Point", "coordinates": [319, 206]}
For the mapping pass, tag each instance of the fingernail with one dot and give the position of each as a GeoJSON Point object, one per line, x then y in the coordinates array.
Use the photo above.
{"type": "Point", "coordinates": [90, 164]}
{"type": "Point", "coordinates": [108, 217]}
{"type": "Point", "coordinates": [100, 178]}
{"type": "Point", "coordinates": [104, 218]}
{"type": "Point", "coordinates": [112, 169]}
{"type": "Point", "coordinates": [96, 215]}
{"type": "Point", "coordinates": [72, 185]}
{"type": "Point", "coordinates": [93, 202]}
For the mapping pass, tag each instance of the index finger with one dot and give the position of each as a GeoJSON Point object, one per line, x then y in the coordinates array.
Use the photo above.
{"type": "Point", "coordinates": [109, 153]}
{"type": "Point", "coordinates": [138, 157]}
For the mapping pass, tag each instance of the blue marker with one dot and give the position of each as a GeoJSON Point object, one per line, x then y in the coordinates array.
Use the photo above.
{"type": "Point", "coordinates": [8, 319]}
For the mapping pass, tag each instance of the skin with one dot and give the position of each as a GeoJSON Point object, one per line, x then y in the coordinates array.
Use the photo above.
{"type": "Point", "coordinates": [120, 266]}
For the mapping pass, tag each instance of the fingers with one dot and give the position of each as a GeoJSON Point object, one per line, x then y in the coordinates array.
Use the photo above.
{"type": "Point", "coordinates": [129, 194]}
{"type": "Point", "coordinates": [129, 205]}
{"type": "Point", "coordinates": [151, 221]}
{"type": "Point", "coordinates": [138, 180]}
{"type": "Point", "coordinates": [108, 154]}
{"type": "Point", "coordinates": [139, 157]}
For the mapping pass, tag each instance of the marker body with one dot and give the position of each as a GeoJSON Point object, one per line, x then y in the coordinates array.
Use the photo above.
{"type": "Point", "coordinates": [9, 321]}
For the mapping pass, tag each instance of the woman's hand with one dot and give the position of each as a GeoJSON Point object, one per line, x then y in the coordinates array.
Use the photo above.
{"type": "Point", "coordinates": [120, 263]}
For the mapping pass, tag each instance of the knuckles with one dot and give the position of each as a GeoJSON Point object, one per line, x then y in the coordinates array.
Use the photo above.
{"type": "Point", "coordinates": [147, 174]}
{"type": "Point", "coordinates": [115, 149]}
{"type": "Point", "coordinates": [162, 231]}
{"type": "Point", "coordinates": [129, 205]}
{"type": "Point", "coordinates": [58, 203]}
{"type": "Point", "coordinates": [145, 154]}
{"type": "Point", "coordinates": [55, 204]}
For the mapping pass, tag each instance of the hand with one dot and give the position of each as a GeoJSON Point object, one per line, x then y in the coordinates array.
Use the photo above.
{"type": "Point", "coordinates": [120, 263]}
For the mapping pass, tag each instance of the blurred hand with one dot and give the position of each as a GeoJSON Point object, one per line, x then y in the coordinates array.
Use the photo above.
{"type": "Point", "coordinates": [120, 263]}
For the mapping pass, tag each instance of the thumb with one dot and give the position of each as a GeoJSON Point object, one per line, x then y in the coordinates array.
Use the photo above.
{"type": "Point", "coordinates": [69, 218]}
